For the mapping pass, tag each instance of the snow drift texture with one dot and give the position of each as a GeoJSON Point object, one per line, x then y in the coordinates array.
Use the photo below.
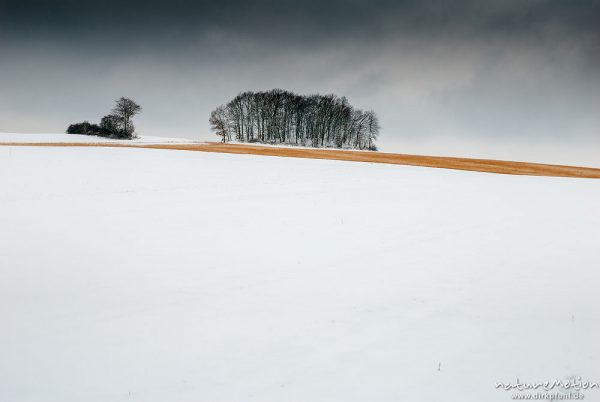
{"type": "Point", "coordinates": [152, 275]}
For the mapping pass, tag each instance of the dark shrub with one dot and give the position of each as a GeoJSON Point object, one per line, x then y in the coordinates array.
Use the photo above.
{"type": "Point", "coordinates": [87, 128]}
{"type": "Point", "coordinates": [115, 125]}
{"type": "Point", "coordinates": [111, 125]}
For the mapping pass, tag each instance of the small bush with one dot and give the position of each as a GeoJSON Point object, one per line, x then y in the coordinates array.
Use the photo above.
{"type": "Point", "coordinates": [86, 128]}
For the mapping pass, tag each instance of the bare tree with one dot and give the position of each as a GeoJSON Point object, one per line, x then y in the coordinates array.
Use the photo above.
{"type": "Point", "coordinates": [124, 111]}
{"type": "Point", "coordinates": [118, 124]}
{"type": "Point", "coordinates": [372, 129]}
{"type": "Point", "coordinates": [279, 116]}
{"type": "Point", "coordinates": [218, 122]}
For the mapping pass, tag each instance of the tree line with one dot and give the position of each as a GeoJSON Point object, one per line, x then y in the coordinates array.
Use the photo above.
{"type": "Point", "coordinates": [117, 124]}
{"type": "Point", "coordinates": [283, 117]}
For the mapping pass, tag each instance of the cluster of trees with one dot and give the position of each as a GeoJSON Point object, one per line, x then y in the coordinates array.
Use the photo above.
{"type": "Point", "coordinates": [117, 124]}
{"type": "Point", "coordinates": [283, 117]}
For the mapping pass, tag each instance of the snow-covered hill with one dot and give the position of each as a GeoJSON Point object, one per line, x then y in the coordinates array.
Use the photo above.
{"type": "Point", "coordinates": [156, 275]}
{"type": "Point", "coordinates": [76, 138]}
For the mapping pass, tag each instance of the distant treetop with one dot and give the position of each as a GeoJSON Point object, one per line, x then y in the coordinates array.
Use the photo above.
{"type": "Point", "coordinates": [117, 125]}
{"type": "Point", "coordinates": [283, 117]}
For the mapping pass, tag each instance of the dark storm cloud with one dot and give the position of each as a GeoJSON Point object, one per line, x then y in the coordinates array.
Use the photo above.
{"type": "Point", "coordinates": [110, 19]}
{"type": "Point", "coordinates": [439, 73]}
{"type": "Point", "coordinates": [299, 21]}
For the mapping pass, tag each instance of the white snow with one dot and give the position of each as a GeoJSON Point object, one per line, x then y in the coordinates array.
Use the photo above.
{"type": "Point", "coordinates": [53, 138]}
{"type": "Point", "coordinates": [155, 275]}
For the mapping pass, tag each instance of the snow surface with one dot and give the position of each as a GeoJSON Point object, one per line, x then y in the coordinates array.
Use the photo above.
{"type": "Point", "coordinates": [46, 138]}
{"type": "Point", "coordinates": [156, 275]}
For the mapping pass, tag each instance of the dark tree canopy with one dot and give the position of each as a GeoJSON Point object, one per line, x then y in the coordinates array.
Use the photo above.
{"type": "Point", "coordinates": [283, 117]}
{"type": "Point", "coordinates": [118, 124]}
{"type": "Point", "coordinates": [111, 124]}
{"type": "Point", "coordinates": [85, 127]}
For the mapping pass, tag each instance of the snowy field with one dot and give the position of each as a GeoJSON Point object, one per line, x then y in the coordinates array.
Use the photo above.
{"type": "Point", "coordinates": [45, 138]}
{"type": "Point", "coordinates": [156, 275]}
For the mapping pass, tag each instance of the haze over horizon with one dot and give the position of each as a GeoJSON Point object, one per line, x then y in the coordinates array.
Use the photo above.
{"type": "Point", "coordinates": [497, 79]}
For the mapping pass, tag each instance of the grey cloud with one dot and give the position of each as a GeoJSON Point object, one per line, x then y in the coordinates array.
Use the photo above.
{"type": "Point", "coordinates": [437, 72]}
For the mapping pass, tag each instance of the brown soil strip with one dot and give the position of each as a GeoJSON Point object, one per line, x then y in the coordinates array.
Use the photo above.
{"type": "Point", "coordinates": [479, 165]}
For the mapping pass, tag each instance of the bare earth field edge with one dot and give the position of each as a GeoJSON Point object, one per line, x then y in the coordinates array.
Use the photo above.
{"type": "Point", "coordinates": [478, 165]}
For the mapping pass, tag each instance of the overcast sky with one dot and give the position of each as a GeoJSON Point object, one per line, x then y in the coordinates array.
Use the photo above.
{"type": "Point", "coordinates": [504, 79]}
